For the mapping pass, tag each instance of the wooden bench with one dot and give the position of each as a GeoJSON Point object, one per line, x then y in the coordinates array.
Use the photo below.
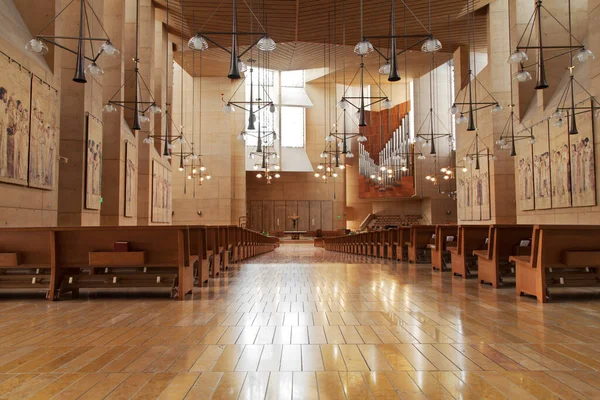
{"type": "Point", "coordinates": [401, 237]}
{"type": "Point", "coordinates": [445, 237]}
{"type": "Point", "coordinates": [27, 259]}
{"type": "Point", "coordinates": [158, 257]}
{"type": "Point", "coordinates": [470, 238]}
{"type": "Point", "coordinates": [420, 237]}
{"type": "Point", "coordinates": [503, 241]}
{"type": "Point", "coordinates": [562, 256]}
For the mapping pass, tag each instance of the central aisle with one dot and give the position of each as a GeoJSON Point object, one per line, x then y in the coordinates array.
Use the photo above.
{"type": "Point", "coordinates": [306, 323]}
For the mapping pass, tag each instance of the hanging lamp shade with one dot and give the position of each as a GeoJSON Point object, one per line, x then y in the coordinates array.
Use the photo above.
{"type": "Point", "coordinates": [431, 45]}
{"type": "Point", "coordinates": [517, 57]}
{"type": "Point", "coordinates": [198, 42]}
{"type": "Point", "coordinates": [266, 44]}
{"type": "Point", "coordinates": [385, 68]}
{"type": "Point", "coordinates": [36, 46]}
{"type": "Point", "coordinates": [363, 48]}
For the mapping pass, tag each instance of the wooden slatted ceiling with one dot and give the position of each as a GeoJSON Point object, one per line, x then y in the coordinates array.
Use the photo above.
{"type": "Point", "coordinates": [301, 26]}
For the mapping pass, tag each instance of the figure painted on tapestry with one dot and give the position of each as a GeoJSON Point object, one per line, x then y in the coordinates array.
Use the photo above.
{"type": "Point", "coordinates": [561, 176]}
{"type": "Point", "coordinates": [3, 131]}
{"type": "Point", "coordinates": [94, 164]}
{"type": "Point", "coordinates": [44, 135]}
{"type": "Point", "coordinates": [583, 171]}
{"type": "Point", "coordinates": [14, 139]}
{"type": "Point", "coordinates": [525, 178]}
{"type": "Point", "coordinates": [15, 101]}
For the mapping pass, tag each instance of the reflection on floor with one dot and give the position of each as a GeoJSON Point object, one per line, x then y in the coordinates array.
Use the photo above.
{"type": "Point", "coordinates": [305, 323]}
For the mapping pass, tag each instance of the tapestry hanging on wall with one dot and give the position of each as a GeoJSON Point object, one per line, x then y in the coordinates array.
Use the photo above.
{"type": "Point", "coordinates": [525, 176]}
{"type": "Point", "coordinates": [161, 193]}
{"type": "Point", "coordinates": [541, 167]}
{"type": "Point", "coordinates": [476, 192]}
{"type": "Point", "coordinates": [465, 195]}
{"type": "Point", "coordinates": [15, 100]}
{"type": "Point", "coordinates": [93, 165]}
{"type": "Point", "coordinates": [43, 141]}
{"type": "Point", "coordinates": [583, 166]}
{"type": "Point", "coordinates": [560, 174]}
{"type": "Point", "coordinates": [461, 198]}
{"type": "Point", "coordinates": [130, 179]}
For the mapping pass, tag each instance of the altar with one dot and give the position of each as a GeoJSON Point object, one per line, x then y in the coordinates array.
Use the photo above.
{"type": "Point", "coordinates": [295, 234]}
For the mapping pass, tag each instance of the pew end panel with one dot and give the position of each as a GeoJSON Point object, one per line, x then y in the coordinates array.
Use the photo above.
{"type": "Point", "coordinates": [494, 264]}
{"type": "Point", "coordinates": [565, 256]}
{"type": "Point", "coordinates": [166, 262]}
{"type": "Point", "coordinates": [27, 259]}
{"type": "Point", "coordinates": [470, 238]}
{"type": "Point", "coordinates": [440, 256]}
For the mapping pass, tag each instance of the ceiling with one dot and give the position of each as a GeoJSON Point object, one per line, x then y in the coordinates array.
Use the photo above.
{"type": "Point", "coordinates": [301, 27]}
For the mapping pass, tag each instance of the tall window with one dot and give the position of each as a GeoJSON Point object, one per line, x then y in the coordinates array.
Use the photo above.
{"type": "Point", "coordinates": [286, 90]}
{"type": "Point", "coordinates": [293, 118]}
{"type": "Point", "coordinates": [262, 86]}
{"type": "Point", "coordinates": [411, 113]}
{"type": "Point", "coordinates": [452, 94]}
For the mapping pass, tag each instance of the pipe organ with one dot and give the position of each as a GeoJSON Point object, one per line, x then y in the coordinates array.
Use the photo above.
{"type": "Point", "coordinates": [396, 160]}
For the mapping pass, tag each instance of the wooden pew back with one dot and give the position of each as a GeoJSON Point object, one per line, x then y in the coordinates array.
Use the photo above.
{"type": "Point", "coordinates": [34, 246]}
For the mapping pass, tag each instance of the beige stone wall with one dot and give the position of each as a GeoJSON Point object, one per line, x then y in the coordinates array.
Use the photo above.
{"type": "Point", "coordinates": [585, 20]}
{"type": "Point", "coordinates": [19, 205]}
{"type": "Point", "coordinates": [496, 78]}
{"type": "Point", "coordinates": [220, 200]}
{"type": "Point", "coordinates": [358, 209]}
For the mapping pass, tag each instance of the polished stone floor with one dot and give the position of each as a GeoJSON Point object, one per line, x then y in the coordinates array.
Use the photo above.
{"type": "Point", "coordinates": [304, 323]}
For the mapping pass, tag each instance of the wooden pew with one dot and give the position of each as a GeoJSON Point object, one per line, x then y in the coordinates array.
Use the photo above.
{"type": "Point", "coordinates": [159, 257]}
{"type": "Point", "coordinates": [387, 250]}
{"type": "Point", "coordinates": [224, 246]}
{"type": "Point", "coordinates": [213, 250]}
{"type": "Point", "coordinates": [439, 251]}
{"type": "Point", "coordinates": [402, 236]}
{"type": "Point", "coordinates": [197, 234]}
{"type": "Point", "coordinates": [420, 237]}
{"type": "Point", "coordinates": [234, 241]}
{"type": "Point", "coordinates": [27, 259]}
{"type": "Point", "coordinates": [503, 241]}
{"type": "Point", "coordinates": [562, 256]}
{"type": "Point", "coordinates": [470, 238]}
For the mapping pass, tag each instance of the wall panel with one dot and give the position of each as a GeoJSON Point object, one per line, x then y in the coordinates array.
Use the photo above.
{"type": "Point", "coordinates": [315, 215]}
{"type": "Point", "coordinates": [291, 208]}
{"type": "Point", "coordinates": [304, 214]}
{"type": "Point", "coordinates": [327, 215]}
{"type": "Point", "coordinates": [279, 216]}
{"type": "Point", "coordinates": [267, 216]}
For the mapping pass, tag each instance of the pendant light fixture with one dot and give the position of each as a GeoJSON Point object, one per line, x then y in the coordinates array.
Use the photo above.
{"type": "Point", "coordinates": [427, 42]}
{"type": "Point", "coordinates": [535, 28]}
{"type": "Point", "coordinates": [330, 157]}
{"type": "Point", "coordinates": [264, 42]}
{"type": "Point", "coordinates": [472, 83]}
{"type": "Point", "coordinates": [168, 140]}
{"type": "Point", "coordinates": [38, 44]}
{"type": "Point", "coordinates": [432, 118]}
{"type": "Point", "coordinates": [344, 136]}
{"type": "Point", "coordinates": [477, 150]}
{"type": "Point", "coordinates": [256, 102]}
{"type": "Point", "coordinates": [193, 162]}
{"type": "Point", "coordinates": [508, 137]}
{"type": "Point", "coordinates": [363, 48]}
{"type": "Point", "coordinates": [567, 107]}
{"type": "Point", "coordinates": [139, 106]}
